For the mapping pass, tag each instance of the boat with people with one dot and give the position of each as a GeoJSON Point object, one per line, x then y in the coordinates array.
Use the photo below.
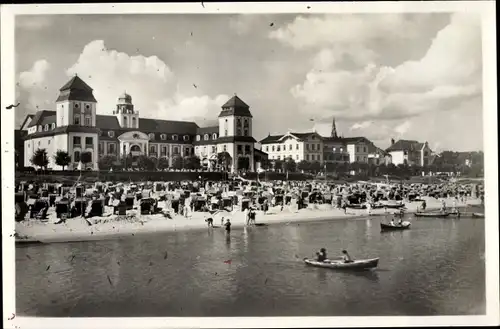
{"type": "Point", "coordinates": [395, 227]}
{"type": "Point", "coordinates": [359, 264]}
{"type": "Point", "coordinates": [432, 214]}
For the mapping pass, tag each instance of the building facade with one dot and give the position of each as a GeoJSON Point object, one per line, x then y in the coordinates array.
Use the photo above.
{"type": "Point", "coordinates": [75, 127]}
{"type": "Point", "coordinates": [410, 152]}
{"type": "Point", "coordinates": [296, 146]}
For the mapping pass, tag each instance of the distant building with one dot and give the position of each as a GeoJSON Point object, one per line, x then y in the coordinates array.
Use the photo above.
{"type": "Point", "coordinates": [410, 152]}
{"type": "Point", "coordinates": [76, 128]}
{"type": "Point", "coordinates": [296, 146]}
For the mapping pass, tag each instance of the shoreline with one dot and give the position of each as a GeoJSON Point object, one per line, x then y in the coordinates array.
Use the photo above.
{"type": "Point", "coordinates": [77, 229]}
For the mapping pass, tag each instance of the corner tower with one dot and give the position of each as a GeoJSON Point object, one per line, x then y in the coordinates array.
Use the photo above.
{"type": "Point", "coordinates": [125, 113]}
{"type": "Point", "coordinates": [76, 104]}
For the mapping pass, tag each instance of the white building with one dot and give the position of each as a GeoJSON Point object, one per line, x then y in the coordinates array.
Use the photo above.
{"type": "Point", "coordinates": [297, 146]}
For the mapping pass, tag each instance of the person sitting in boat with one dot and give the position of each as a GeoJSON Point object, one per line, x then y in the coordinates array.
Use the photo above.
{"type": "Point", "coordinates": [400, 222]}
{"type": "Point", "coordinates": [392, 222]}
{"type": "Point", "coordinates": [321, 255]}
{"type": "Point", "coordinates": [346, 257]}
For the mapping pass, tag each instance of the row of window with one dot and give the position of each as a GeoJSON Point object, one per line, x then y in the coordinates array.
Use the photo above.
{"type": "Point", "coordinates": [214, 149]}
{"type": "Point", "coordinates": [77, 140]}
{"type": "Point", "coordinates": [309, 157]}
{"type": "Point", "coordinates": [361, 149]}
{"type": "Point", "coordinates": [206, 137]}
{"type": "Point", "coordinates": [278, 148]}
{"type": "Point", "coordinates": [240, 149]}
{"type": "Point", "coordinates": [47, 127]}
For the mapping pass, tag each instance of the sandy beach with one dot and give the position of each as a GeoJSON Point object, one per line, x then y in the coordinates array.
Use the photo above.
{"type": "Point", "coordinates": [78, 229]}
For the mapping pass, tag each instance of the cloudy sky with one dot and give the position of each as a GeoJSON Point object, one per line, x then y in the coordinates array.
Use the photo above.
{"type": "Point", "coordinates": [383, 76]}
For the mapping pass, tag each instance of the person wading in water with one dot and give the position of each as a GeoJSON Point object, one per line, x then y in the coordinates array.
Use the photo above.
{"type": "Point", "coordinates": [228, 226]}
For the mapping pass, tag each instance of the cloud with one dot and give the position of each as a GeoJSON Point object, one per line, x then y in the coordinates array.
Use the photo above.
{"type": "Point", "coordinates": [446, 75]}
{"type": "Point", "coordinates": [361, 125]}
{"type": "Point", "coordinates": [35, 77]}
{"type": "Point", "coordinates": [150, 81]}
{"type": "Point", "coordinates": [403, 128]}
{"type": "Point", "coordinates": [327, 30]}
{"type": "Point", "coordinates": [33, 22]}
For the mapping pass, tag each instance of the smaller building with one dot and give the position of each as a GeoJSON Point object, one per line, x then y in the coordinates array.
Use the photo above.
{"type": "Point", "coordinates": [410, 152]}
{"type": "Point", "coordinates": [296, 146]}
{"type": "Point", "coordinates": [335, 150]}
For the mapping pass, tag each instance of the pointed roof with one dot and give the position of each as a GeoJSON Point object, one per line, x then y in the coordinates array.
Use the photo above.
{"type": "Point", "coordinates": [76, 89]}
{"type": "Point", "coordinates": [235, 106]}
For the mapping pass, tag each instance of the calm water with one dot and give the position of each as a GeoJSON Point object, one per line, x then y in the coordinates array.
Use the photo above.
{"type": "Point", "coordinates": [436, 268]}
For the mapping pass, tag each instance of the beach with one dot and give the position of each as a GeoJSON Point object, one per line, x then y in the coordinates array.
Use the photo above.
{"type": "Point", "coordinates": [111, 227]}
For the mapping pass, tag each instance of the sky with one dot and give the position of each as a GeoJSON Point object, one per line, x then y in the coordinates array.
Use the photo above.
{"type": "Point", "coordinates": [382, 76]}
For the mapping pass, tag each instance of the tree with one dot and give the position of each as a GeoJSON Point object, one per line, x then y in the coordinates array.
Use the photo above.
{"type": "Point", "coordinates": [163, 163]}
{"type": "Point", "coordinates": [278, 165]}
{"type": "Point", "coordinates": [62, 158]}
{"type": "Point", "coordinates": [146, 163]}
{"type": "Point", "coordinates": [126, 161]}
{"type": "Point", "coordinates": [86, 157]}
{"type": "Point", "coordinates": [243, 163]}
{"type": "Point", "coordinates": [315, 167]}
{"type": "Point", "coordinates": [265, 163]}
{"type": "Point", "coordinates": [224, 159]}
{"type": "Point", "coordinates": [192, 162]}
{"type": "Point", "coordinates": [177, 162]}
{"type": "Point", "coordinates": [304, 165]}
{"type": "Point", "coordinates": [106, 162]}
{"type": "Point", "coordinates": [40, 159]}
{"type": "Point", "coordinates": [290, 165]}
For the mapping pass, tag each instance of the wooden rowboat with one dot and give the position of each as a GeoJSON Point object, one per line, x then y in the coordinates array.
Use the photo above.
{"type": "Point", "coordinates": [395, 227]}
{"type": "Point", "coordinates": [432, 214]}
{"type": "Point", "coordinates": [360, 264]}
{"type": "Point", "coordinates": [478, 214]}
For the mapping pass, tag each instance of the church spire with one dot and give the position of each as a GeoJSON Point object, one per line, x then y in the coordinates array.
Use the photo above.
{"type": "Point", "coordinates": [334, 129]}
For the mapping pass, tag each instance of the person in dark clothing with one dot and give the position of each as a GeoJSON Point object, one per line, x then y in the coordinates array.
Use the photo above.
{"type": "Point", "coordinates": [210, 222]}
{"type": "Point", "coordinates": [424, 205]}
{"type": "Point", "coordinates": [228, 226]}
{"type": "Point", "coordinates": [321, 255]}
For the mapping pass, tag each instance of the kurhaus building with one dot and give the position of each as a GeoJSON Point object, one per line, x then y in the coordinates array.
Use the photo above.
{"type": "Point", "coordinates": [75, 128]}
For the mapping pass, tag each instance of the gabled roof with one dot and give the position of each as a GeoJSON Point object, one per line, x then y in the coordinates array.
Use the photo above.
{"type": "Point", "coordinates": [271, 139]}
{"type": "Point", "coordinates": [207, 130]}
{"type": "Point", "coordinates": [355, 140]}
{"type": "Point", "coordinates": [235, 106]}
{"type": "Point", "coordinates": [40, 117]}
{"type": "Point", "coordinates": [406, 145]}
{"type": "Point", "coordinates": [76, 89]}
{"type": "Point", "coordinates": [28, 117]}
{"type": "Point", "coordinates": [167, 126]}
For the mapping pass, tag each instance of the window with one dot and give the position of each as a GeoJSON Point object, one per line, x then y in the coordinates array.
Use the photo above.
{"type": "Point", "coordinates": [273, 148]}
{"type": "Point", "coordinates": [125, 122]}
{"type": "Point", "coordinates": [40, 128]}
{"type": "Point", "coordinates": [89, 141]}
{"type": "Point", "coordinates": [38, 143]}
{"type": "Point", "coordinates": [87, 107]}
{"type": "Point", "coordinates": [225, 148]}
{"type": "Point", "coordinates": [214, 149]}
{"type": "Point", "coordinates": [290, 147]}
{"type": "Point", "coordinates": [53, 126]}
{"type": "Point", "coordinates": [214, 136]}
{"type": "Point", "coordinates": [247, 149]}
{"type": "Point", "coordinates": [238, 122]}
{"type": "Point", "coordinates": [334, 149]}
{"type": "Point", "coordinates": [111, 134]}
{"type": "Point", "coordinates": [49, 141]}
{"type": "Point", "coordinates": [245, 132]}
{"type": "Point", "coordinates": [76, 156]}
{"type": "Point", "coordinates": [176, 150]}
{"type": "Point", "coordinates": [205, 137]}
{"type": "Point", "coordinates": [225, 132]}
{"type": "Point", "coordinates": [175, 137]}
{"type": "Point", "coordinates": [76, 106]}
{"type": "Point", "coordinates": [240, 149]}
{"type": "Point", "coordinates": [297, 157]}
{"type": "Point", "coordinates": [151, 136]}
{"type": "Point", "coordinates": [364, 149]}
{"type": "Point", "coordinates": [318, 147]}
{"type": "Point", "coordinates": [198, 137]}
{"type": "Point", "coordinates": [77, 140]}
{"type": "Point", "coordinates": [163, 150]}
{"type": "Point", "coordinates": [267, 148]}
{"type": "Point", "coordinates": [278, 148]}
{"type": "Point", "coordinates": [312, 147]}
{"type": "Point", "coordinates": [186, 137]}
{"type": "Point", "coordinates": [111, 148]}
{"type": "Point", "coordinates": [307, 156]}
{"type": "Point", "coordinates": [76, 120]}
{"type": "Point", "coordinates": [245, 123]}
{"type": "Point", "coordinates": [307, 147]}
{"type": "Point", "coordinates": [46, 128]}
{"type": "Point", "coordinates": [186, 151]}
{"type": "Point", "coordinates": [238, 131]}
{"type": "Point", "coordinates": [204, 150]}
{"type": "Point", "coordinates": [88, 121]}
{"type": "Point", "coordinates": [101, 147]}
{"type": "Point", "coordinates": [152, 149]}
{"type": "Point", "coordinates": [297, 146]}
{"type": "Point", "coordinates": [134, 123]}
{"type": "Point", "coordinates": [163, 136]}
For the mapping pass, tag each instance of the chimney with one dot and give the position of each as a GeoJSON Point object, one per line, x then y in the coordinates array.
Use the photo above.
{"type": "Point", "coordinates": [392, 141]}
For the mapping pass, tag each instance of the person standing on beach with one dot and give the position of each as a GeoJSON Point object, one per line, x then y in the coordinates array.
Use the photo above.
{"type": "Point", "coordinates": [228, 226]}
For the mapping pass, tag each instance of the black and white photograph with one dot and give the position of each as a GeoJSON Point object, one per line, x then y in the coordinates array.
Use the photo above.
{"type": "Point", "coordinates": [249, 161]}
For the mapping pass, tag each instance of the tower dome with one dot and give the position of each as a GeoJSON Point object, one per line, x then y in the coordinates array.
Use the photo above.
{"type": "Point", "coordinates": [125, 99]}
